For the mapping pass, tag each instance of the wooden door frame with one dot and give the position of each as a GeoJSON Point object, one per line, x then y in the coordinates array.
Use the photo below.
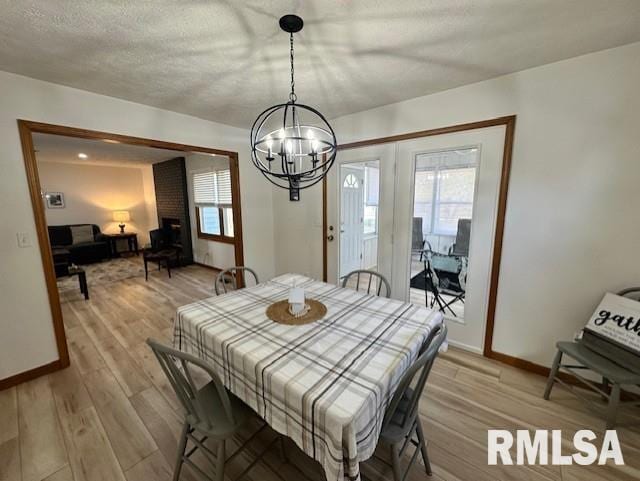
{"type": "Point", "coordinates": [27, 128]}
{"type": "Point", "coordinates": [509, 122]}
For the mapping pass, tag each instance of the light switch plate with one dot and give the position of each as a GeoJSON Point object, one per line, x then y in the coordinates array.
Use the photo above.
{"type": "Point", "coordinates": [24, 239]}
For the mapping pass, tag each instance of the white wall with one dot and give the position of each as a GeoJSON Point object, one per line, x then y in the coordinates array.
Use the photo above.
{"type": "Point", "coordinates": [93, 192]}
{"type": "Point", "coordinates": [571, 230]}
{"type": "Point", "coordinates": [211, 253]}
{"type": "Point", "coordinates": [27, 338]}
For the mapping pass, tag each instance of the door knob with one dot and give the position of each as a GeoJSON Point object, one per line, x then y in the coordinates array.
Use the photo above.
{"type": "Point", "coordinates": [330, 237]}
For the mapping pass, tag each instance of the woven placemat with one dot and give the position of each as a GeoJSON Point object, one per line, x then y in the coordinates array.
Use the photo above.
{"type": "Point", "coordinates": [279, 312]}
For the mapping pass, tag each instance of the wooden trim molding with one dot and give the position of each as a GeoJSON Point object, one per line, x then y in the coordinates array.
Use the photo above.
{"type": "Point", "coordinates": [509, 122]}
{"type": "Point", "coordinates": [499, 235]}
{"type": "Point", "coordinates": [46, 255]}
{"type": "Point", "coordinates": [325, 227]}
{"type": "Point", "coordinates": [237, 210]}
{"type": "Point", "coordinates": [26, 130]}
{"type": "Point", "coordinates": [67, 131]}
{"type": "Point", "coordinates": [481, 124]}
{"type": "Point", "coordinates": [25, 376]}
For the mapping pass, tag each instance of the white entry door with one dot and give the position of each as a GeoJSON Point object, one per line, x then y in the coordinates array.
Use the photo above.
{"type": "Point", "coordinates": [337, 245]}
{"type": "Point", "coordinates": [466, 331]}
{"type": "Point", "coordinates": [351, 218]}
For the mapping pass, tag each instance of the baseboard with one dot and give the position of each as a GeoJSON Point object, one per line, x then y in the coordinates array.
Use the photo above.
{"type": "Point", "coordinates": [214, 268]}
{"type": "Point", "coordinates": [519, 363]}
{"type": "Point", "coordinates": [31, 374]}
{"type": "Point", "coordinates": [465, 347]}
{"type": "Point", "coordinates": [525, 365]}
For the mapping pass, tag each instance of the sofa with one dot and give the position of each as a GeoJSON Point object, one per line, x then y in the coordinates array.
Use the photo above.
{"type": "Point", "coordinates": [87, 252]}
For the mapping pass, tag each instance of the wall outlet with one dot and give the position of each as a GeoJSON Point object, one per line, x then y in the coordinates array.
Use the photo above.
{"type": "Point", "coordinates": [24, 239]}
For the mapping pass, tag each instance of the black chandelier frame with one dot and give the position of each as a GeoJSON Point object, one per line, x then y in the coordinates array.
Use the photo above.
{"type": "Point", "coordinates": [323, 147]}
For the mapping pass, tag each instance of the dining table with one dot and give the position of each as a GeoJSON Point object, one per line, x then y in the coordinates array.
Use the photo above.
{"type": "Point", "coordinates": [326, 384]}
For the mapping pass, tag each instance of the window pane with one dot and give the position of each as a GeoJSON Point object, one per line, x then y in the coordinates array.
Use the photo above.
{"type": "Point", "coordinates": [423, 209]}
{"type": "Point", "coordinates": [456, 185]}
{"type": "Point", "coordinates": [370, 219]}
{"type": "Point", "coordinates": [372, 185]}
{"type": "Point", "coordinates": [447, 216]}
{"type": "Point", "coordinates": [424, 186]}
{"type": "Point", "coordinates": [350, 182]}
{"type": "Point", "coordinates": [227, 214]}
{"type": "Point", "coordinates": [210, 220]}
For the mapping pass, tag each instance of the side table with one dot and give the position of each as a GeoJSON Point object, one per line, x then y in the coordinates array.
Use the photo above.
{"type": "Point", "coordinates": [132, 242]}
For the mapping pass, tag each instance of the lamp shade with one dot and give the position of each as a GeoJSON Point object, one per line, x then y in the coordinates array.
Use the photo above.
{"type": "Point", "coordinates": [121, 216]}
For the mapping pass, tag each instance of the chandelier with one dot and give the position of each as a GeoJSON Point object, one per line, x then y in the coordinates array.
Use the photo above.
{"type": "Point", "coordinates": [292, 144]}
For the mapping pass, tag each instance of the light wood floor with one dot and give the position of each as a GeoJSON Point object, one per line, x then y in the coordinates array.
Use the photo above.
{"type": "Point", "coordinates": [111, 416]}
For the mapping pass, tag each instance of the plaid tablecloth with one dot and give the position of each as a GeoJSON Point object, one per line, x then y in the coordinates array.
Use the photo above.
{"type": "Point", "coordinates": [325, 385]}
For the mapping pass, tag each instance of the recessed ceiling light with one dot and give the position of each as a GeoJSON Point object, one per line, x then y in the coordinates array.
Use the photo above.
{"type": "Point", "coordinates": [83, 156]}
{"type": "Point", "coordinates": [111, 141]}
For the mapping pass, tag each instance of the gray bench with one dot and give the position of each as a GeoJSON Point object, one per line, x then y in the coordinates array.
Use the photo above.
{"type": "Point", "coordinates": [616, 365]}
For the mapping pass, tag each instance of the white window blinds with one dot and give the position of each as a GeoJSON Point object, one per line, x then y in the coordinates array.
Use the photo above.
{"type": "Point", "coordinates": [212, 188]}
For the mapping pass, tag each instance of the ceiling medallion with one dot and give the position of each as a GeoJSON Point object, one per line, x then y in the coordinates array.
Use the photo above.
{"type": "Point", "coordinates": [292, 144]}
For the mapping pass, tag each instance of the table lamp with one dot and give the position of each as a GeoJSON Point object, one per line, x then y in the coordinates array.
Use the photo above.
{"type": "Point", "coordinates": [121, 216]}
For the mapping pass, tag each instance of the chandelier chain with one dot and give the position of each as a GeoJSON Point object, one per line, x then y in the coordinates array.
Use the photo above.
{"type": "Point", "coordinates": [292, 145]}
{"type": "Point", "coordinates": [292, 95]}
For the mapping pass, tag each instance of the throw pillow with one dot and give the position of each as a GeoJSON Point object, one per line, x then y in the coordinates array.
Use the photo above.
{"type": "Point", "coordinates": [82, 233]}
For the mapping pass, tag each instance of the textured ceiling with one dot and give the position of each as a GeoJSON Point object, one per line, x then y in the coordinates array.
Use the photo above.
{"type": "Point", "coordinates": [228, 60]}
{"type": "Point", "coordinates": [59, 148]}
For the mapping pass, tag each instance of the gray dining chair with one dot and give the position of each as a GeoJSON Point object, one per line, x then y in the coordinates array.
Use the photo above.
{"type": "Point", "coordinates": [233, 275]}
{"type": "Point", "coordinates": [211, 412]}
{"type": "Point", "coordinates": [617, 367]}
{"type": "Point", "coordinates": [373, 281]}
{"type": "Point", "coordinates": [401, 420]}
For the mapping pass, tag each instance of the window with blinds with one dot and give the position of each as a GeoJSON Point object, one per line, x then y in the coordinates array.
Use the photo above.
{"type": "Point", "coordinates": [212, 188]}
{"type": "Point", "coordinates": [212, 199]}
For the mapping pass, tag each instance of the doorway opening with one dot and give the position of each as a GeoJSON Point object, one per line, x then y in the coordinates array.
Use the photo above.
{"type": "Point", "coordinates": [71, 220]}
{"type": "Point", "coordinates": [359, 198]}
{"type": "Point", "coordinates": [443, 204]}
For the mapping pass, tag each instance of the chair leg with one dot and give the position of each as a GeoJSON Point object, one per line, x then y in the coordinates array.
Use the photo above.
{"type": "Point", "coordinates": [146, 270]}
{"type": "Point", "coordinates": [423, 447]}
{"type": "Point", "coordinates": [395, 463]}
{"type": "Point", "coordinates": [220, 461]}
{"type": "Point", "coordinates": [283, 452]}
{"type": "Point", "coordinates": [553, 374]}
{"type": "Point", "coordinates": [612, 409]}
{"type": "Point", "coordinates": [605, 386]}
{"type": "Point", "coordinates": [181, 448]}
